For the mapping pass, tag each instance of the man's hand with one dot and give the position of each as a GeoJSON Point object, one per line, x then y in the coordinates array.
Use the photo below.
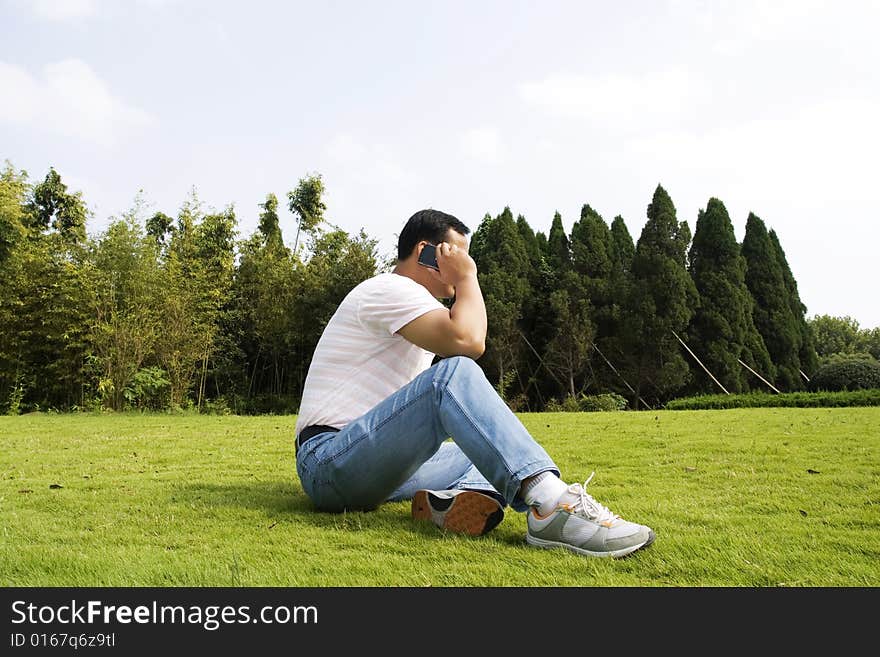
{"type": "Point", "coordinates": [455, 264]}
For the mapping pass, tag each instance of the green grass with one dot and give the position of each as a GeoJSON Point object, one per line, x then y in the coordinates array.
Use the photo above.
{"type": "Point", "coordinates": [743, 497]}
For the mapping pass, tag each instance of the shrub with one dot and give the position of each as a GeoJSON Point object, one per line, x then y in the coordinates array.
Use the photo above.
{"type": "Point", "coordinates": [568, 404]}
{"type": "Point", "coordinates": [845, 358]}
{"type": "Point", "coordinates": [847, 374]}
{"type": "Point", "coordinates": [519, 403]}
{"type": "Point", "coordinates": [219, 406]}
{"type": "Point", "coordinates": [786, 399]}
{"type": "Point", "coordinates": [13, 406]}
{"type": "Point", "coordinates": [610, 401]}
{"type": "Point", "coordinates": [148, 389]}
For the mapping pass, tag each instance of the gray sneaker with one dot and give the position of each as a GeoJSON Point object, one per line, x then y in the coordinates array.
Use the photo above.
{"type": "Point", "coordinates": [586, 527]}
{"type": "Point", "coordinates": [459, 511]}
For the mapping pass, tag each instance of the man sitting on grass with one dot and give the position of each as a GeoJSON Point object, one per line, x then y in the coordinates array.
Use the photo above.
{"type": "Point", "coordinates": [375, 415]}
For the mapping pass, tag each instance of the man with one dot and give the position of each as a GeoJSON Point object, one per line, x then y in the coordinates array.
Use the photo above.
{"type": "Point", "coordinates": [375, 415]}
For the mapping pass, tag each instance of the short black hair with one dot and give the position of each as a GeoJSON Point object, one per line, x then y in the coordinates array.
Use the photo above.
{"type": "Point", "coordinates": [429, 225]}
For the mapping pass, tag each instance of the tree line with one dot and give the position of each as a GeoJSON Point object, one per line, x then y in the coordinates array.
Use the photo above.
{"type": "Point", "coordinates": [162, 312]}
{"type": "Point", "coordinates": [670, 314]}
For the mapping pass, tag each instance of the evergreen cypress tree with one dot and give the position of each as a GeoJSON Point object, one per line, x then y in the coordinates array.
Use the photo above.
{"type": "Point", "coordinates": [479, 248]}
{"type": "Point", "coordinates": [622, 247]}
{"type": "Point", "coordinates": [613, 345]}
{"type": "Point", "coordinates": [503, 268]}
{"type": "Point", "coordinates": [591, 245]}
{"type": "Point", "coordinates": [722, 331]}
{"type": "Point", "coordinates": [591, 256]}
{"type": "Point", "coordinates": [809, 359]}
{"type": "Point", "coordinates": [662, 301]}
{"type": "Point", "coordinates": [541, 238]}
{"type": "Point", "coordinates": [622, 253]}
{"type": "Point", "coordinates": [568, 350]}
{"type": "Point", "coordinates": [530, 242]}
{"type": "Point", "coordinates": [536, 321]}
{"type": "Point", "coordinates": [571, 330]}
{"type": "Point", "coordinates": [773, 316]}
{"type": "Point", "coordinates": [558, 246]}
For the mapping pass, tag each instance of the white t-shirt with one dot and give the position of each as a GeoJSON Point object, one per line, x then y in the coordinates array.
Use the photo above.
{"type": "Point", "coordinates": [360, 360]}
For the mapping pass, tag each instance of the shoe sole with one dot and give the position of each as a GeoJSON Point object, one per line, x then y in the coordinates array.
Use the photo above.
{"type": "Point", "coordinates": [468, 512]}
{"type": "Point", "coordinates": [615, 554]}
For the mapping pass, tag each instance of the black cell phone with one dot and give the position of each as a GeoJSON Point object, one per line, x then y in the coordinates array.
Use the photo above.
{"type": "Point", "coordinates": [428, 257]}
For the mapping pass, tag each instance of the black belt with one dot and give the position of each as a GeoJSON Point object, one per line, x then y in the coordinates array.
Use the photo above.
{"type": "Point", "coordinates": [311, 431]}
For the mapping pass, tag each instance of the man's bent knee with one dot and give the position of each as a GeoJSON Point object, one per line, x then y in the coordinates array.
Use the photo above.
{"type": "Point", "coordinates": [461, 366]}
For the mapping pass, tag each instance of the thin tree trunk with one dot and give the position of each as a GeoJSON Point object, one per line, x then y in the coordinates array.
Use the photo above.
{"type": "Point", "coordinates": [203, 376]}
{"type": "Point", "coordinates": [254, 373]}
{"type": "Point", "coordinates": [296, 239]}
{"type": "Point", "coordinates": [501, 378]}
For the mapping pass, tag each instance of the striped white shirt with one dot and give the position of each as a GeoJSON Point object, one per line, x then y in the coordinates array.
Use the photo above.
{"type": "Point", "coordinates": [360, 359]}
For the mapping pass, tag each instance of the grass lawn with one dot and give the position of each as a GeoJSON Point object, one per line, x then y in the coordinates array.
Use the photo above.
{"type": "Point", "coordinates": [744, 497]}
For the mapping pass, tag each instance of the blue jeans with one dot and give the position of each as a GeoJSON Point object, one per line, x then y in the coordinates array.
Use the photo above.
{"type": "Point", "coordinates": [400, 445]}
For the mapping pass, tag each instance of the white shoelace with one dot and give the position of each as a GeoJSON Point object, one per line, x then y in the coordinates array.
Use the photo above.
{"type": "Point", "coordinates": [588, 506]}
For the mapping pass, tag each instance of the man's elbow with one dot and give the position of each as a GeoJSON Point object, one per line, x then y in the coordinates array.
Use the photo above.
{"type": "Point", "coordinates": [470, 347]}
{"type": "Point", "coordinates": [475, 349]}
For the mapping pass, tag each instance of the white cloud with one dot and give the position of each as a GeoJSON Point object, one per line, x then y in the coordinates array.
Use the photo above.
{"type": "Point", "coordinates": [627, 100]}
{"type": "Point", "coordinates": [69, 98]}
{"type": "Point", "coordinates": [344, 148]}
{"type": "Point", "coordinates": [731, 47]}
{"type": "Point", "coordinates": [482, 144]}
{"type": "Point", "coordinates": [21, 94]}
{"type": "Point", "coordinates": [825, 151]}
{"type": "Point", "coordinates": [772, 21]}
{"type": "Point", "coordinates": [369, 184]}
{"type": "Point", "coordinates": [742, 25]}
{"type": "Point", "coordinates": [72, 10]}
{"type": "Point", "coordinates": [62, 10]}
{"type": "Point", "coordinates": [158, 4]}
{"type": "Point", "coordinates": [369, 164]}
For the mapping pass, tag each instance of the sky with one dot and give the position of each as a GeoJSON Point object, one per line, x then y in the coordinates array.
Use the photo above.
{"type": "Point", "coordinates": [467, 107]}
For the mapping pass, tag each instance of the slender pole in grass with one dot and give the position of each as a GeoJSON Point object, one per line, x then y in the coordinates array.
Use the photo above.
{"type": "Point", "coordinates": [701, 363]}
{"type": "Point", "coordinates": [758, 375]}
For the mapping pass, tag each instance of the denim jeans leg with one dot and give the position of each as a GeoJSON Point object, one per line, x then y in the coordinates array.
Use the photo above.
{"type": "Point", "coordinates": [362, 465]}
{"type": "Point", "coordinates": [448, 469]}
